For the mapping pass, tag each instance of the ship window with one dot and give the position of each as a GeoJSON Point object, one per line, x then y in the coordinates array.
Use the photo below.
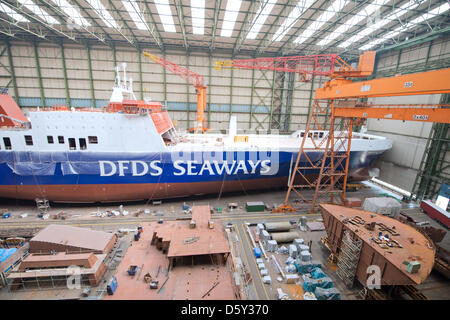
{"type": "Point", "coordinates": [302, 134]}
{"type": "Point", "coordinates": [82, 144]}
{"type": "Point", "coordinates": [29, 140]}
{"type": "Point", "coordinates": [61, 139]}
{"type": "Point", "coordinates": [50, 139]}
{"type": "Point", "coordinates": [72, 145]}
{"type": "Point", "coordinates": [321, 135]}
{"type": "Point", "coordinates": [93, 139]}
{"type": "Point", "coordinates": [7, 142]}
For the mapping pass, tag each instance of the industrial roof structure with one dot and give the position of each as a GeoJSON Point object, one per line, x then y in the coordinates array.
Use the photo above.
{"type": "Point", "coordinates": [62, 237]}
{"type": "Point", "coordinates": [258, 27]}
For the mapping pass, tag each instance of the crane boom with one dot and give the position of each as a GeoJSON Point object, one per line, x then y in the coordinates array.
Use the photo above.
{"type": "Point", "coordinates": [197, 80]}
{"type": "Point", "coordinates": [330, 65]}
{"type": "Point", "coordinates": [192, 77]}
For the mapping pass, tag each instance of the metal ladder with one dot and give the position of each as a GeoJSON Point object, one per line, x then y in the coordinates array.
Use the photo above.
{"type": "Point", "coordinates": [348, 259]}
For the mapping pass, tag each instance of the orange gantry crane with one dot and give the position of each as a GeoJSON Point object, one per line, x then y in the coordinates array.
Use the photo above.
{"type": "Point", "coordinates": [337, 107]}
{"type": "Point", "coordinates": [193, 78]}
{"type": "Point", "coordinates": [340, 103]}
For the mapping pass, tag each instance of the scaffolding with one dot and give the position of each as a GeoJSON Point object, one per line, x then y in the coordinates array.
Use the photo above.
{"type": "Point", "coordinates": [348, 259]}
{"type": "Point", "coordinates": [46, 280]}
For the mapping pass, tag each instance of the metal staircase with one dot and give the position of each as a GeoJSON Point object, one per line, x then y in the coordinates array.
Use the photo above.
{"type": "Point", "coordinates": [348, 259]}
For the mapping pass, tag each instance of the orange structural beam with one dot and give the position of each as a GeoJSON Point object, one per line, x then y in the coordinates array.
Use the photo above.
{"type": "Point", "coordinates": [430, 82]}
{"type": "Point", "coordinates": [408, 114]}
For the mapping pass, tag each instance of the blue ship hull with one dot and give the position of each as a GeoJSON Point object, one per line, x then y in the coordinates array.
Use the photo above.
{"type": "Point", "coordinates": [109, 177]}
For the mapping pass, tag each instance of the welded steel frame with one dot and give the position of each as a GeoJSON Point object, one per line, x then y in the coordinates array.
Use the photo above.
{"type": "Point", "coordinates": [334, 147]}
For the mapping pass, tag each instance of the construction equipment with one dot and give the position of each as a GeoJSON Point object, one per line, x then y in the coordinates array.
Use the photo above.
{"type": "Point", "coordinates": [147, 278]}
{"type": "Point", "coordinates": [336, 108]}
{"type": "Point", "coordinates": [193, 78]}
{"type": "Point", "coordinates": [112, 286]}
{"type": "Point", "coordinates": [132, 270]}
{"type": "Point", "coordinates": [154, 284]}
{"type": "Point", "coordinates": [285, 208]}
{"type": "Point", "coordinates": [330, 65]}
{"type": "Point", "coordinates": [42, 205]}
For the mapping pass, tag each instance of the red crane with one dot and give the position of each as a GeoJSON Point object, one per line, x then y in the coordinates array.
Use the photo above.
{"type": "Point", "coordinates": [330, 65]}
{"type": "Point", "coordinates": [193, 78]}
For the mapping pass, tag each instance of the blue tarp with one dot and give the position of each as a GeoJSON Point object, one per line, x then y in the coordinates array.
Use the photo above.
{"type": "Point", "coordinates": [317, 273]}
{"type": "Point", "coordinates": [307, 267]}
{"type": "Point", "coordinates": [6, 253]}
{"type": "Point", "coordinates": [327, 294]}
{"type": "Point", "coordinates": [310, 285]}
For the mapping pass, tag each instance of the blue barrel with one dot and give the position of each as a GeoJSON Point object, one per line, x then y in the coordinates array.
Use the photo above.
{"type": "Point", "coordinates": [257, 252]}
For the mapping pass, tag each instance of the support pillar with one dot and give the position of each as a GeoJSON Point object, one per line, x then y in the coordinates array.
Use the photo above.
{"type": "Point", "coordinates": [13, 74]}
{"type": "Point", "coordinates": [66, 82]}
{"type": "Point", "coordinates": [140, 75]}
{"type": "Point", "coordinates": [91, 80]}
{"type": "Point", "coordinates": [38, 70]}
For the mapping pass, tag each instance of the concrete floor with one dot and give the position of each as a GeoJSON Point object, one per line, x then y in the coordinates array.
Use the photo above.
{"type": "Point", "coordinates": [435, 287]}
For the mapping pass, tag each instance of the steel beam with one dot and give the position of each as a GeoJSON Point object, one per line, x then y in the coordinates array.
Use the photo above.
{"type": "Point", "coordinates": [38, 70]}
{"type": "Point", "coordinates": [12, 72]}
{"type": "Point", "coordinates": [140, 74]}
{"type": "Point", "coordinates": [67, 17]}
{"type": "Point", "coordinates": [271, 102]}
{"type": "Point", "coordinates": [87, 14]}
{"type": "Point", "coordinates": [133, 42]}
{"type": "Point", "coordinates": [209, 89]}
{"type": "Point", "coordinates": [295, 34]}
{"type": "Point", "coordinates": [91, 78]}
{"type": "Point", "coordinates": [165, 80]}
{"type": "Point", "coordinates": [431, 82]}
{"type": "Point", "coordinates": [231, 91]}
{"type": "Point", "coordinates": [311, 94]}
{"type": "Point", "coordinates": [153, 30]}
{"type": "Point", "coordinates": [429, 36]}
{"type": "Point", "coordinates": [216, 20]}
{"type": "Point", "coordinates": [398, 60]}
{"type": "Point", "coordinates": [248, 23]}
{"type": "Point", "coordinates": [19, 7]}
{"type": "Point", "coordinates": [437, 115]}
{"type": "Point", "coordinates": [265, 43]}
{"type": "Point", "coordinates": [180, 15]}
{"type": "Point", "coordinates": [290, 103]}
{"type": "Point", "coordinates": [66, 82]}
{"type": "Point", "coordinates": [114, 56]}
{"type": "Point", "coordinates": [251, 99]}
{"type": "Point", "coordinates": [187, 95]}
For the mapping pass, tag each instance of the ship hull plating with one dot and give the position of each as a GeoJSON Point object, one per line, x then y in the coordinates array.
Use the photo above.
{"type": "Point", "coordinates": [105, 177]}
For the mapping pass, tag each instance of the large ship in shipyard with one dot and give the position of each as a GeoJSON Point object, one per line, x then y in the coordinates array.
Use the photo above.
{"type": "Point", "coordinates": [130, 150]}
